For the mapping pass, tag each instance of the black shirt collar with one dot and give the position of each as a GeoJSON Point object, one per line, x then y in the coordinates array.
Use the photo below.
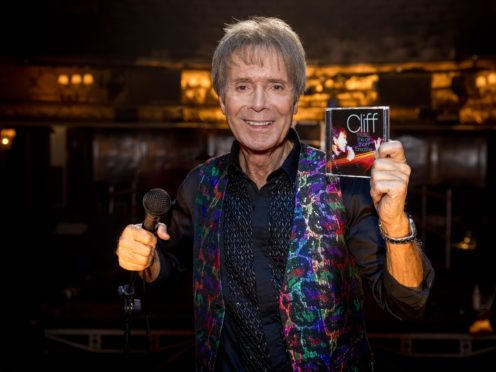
{"type": "Point", "coordinates": [290, 165]}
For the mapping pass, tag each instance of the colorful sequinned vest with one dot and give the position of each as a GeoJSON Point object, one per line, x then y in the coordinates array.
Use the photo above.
{"type": "Point", "coordinates": [321, 298]}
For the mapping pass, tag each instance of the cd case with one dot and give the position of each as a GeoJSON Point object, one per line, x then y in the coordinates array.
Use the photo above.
{"type": "Point", "coordinates": [353, 134]}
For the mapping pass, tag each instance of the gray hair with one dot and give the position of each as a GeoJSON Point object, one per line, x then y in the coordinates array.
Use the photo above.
{"type": "Point", "coordinates": [266, 33]}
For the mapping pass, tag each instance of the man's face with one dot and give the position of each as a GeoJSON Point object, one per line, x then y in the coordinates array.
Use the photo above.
{"type": "Point", "coordinates": [341, 142]}
{"type": "Point", "coordinates": [258, 101]}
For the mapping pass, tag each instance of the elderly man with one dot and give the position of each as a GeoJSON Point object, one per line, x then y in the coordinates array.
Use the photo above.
{"type": "Point", "coordinates": [276, 246]}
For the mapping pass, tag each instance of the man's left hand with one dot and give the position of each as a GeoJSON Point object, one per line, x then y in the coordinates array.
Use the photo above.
{"type": "Point", "coordinates": [389, 185]}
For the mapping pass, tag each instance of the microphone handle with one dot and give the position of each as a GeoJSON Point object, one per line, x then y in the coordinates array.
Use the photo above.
{"type": "Point", "coordinates": [150, 223]}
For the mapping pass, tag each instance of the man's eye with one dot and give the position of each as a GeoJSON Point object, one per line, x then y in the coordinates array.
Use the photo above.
{"type": "Point", "coordinates": [241, 88]}
{"type": "Point", "coordinates": [278, 87]}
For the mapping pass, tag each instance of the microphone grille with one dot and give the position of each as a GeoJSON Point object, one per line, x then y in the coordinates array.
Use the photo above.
{"type": "Point", "coordinates": [156, 202]}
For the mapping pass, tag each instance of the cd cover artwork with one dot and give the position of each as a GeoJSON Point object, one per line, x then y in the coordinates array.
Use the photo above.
{"type": "Point", "coordinates": [353, 134]}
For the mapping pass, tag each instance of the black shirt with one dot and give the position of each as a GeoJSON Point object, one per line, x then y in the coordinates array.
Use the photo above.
{"type": "Point", "coordinates": [228, 357]}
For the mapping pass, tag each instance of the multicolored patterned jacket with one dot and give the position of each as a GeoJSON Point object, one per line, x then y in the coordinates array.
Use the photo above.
{"type": "Point", "coordinates": [321, 299]}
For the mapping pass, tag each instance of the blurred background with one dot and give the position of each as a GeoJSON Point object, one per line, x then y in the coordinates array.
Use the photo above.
{"type": "Point", "coordinates": [102, 100]}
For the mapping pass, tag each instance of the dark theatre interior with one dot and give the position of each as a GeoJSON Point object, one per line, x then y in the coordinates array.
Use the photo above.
{"type": "Point", "coordinates": [101, 101]}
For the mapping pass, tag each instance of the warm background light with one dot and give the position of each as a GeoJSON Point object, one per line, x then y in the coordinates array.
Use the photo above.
{"type": "Point", "coordinates": [6, 137]}
{"type": "Point", "coordinates": [76, 79]}
{"type": "Point", "coordinates": [88, 79]}
{"type": "Point", "coordinates": [63, 79]}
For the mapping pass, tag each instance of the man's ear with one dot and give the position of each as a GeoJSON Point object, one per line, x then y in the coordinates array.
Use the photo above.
{"type": "Point", "coordinates": [222, 105]}
{"type": "Point", "coordinates": [295, 107]}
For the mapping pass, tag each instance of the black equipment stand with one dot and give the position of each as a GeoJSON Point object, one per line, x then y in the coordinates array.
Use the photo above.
{"type": "Point", "coordinates": [131, 305]}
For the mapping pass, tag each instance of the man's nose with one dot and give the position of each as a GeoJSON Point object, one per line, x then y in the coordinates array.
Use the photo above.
{"type": "Point", "coordinates": [259, 99]}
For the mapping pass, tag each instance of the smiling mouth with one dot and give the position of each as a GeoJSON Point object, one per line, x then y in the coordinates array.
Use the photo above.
{"type": "Point", "coordinates": [259, 123]}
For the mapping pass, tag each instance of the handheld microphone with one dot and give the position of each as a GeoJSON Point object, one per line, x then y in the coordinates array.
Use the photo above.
{"type": "Point", "coordinates": [156, 203]}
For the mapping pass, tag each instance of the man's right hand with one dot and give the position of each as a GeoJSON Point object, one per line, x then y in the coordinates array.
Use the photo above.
{"type": "Point", "coordinates": [136, 247]}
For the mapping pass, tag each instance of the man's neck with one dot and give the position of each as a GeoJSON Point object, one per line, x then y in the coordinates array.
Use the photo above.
{"type": "Point", "coordinates": [258, 166]}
